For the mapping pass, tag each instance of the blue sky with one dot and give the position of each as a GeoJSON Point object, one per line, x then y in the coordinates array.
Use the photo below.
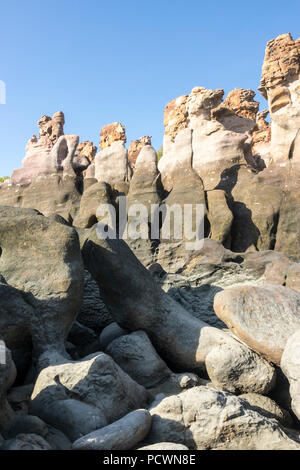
{"type": "Point", "coordinates": [104, 61]}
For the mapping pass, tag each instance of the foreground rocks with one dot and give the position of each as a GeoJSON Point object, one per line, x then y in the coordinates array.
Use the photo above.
{"type": "Point", "coordinates": [203, 419]}
{"type": "Point", "coordinates": [81, 397]}
{"type": "Point", "coordinates": [95, 330]}
{"type": "Point", "coordinates": [121, 435]}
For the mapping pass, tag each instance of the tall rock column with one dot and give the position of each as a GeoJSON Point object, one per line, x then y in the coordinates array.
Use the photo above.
{"type": "Point", "coordinates": [280, 85]}
{"type": "Point", "coordinates": [111, 163]}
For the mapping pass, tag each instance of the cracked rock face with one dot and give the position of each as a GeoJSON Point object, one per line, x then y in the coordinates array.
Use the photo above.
{"type": "Point", "coordinates": [219, 131]}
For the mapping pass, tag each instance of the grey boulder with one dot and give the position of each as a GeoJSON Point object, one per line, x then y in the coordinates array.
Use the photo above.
{"type": "Point", "coordinates": [237, 369]}
{"type": "Point", "coordinates": [202, 418]}
{"type": "Point", "coordinates": [123, 434]}
{"type": "Point", "coordinates": [80, 397]}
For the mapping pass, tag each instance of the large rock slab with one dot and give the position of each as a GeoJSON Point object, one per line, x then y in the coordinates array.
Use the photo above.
{"type": "Point", "coordinates": [261, 316]}
{"type": "Point", "coordinates": [123, 434]}
{"type": "Point", "coordinates": [202, 418]}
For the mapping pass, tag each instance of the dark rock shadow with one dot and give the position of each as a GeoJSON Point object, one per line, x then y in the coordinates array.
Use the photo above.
{"type": "Point", "coordinates": [199, 301]}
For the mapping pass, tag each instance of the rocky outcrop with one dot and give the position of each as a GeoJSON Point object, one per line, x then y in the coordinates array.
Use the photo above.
{"type": "Point", "coordinates": [135, 147]}
{"type": "Point", "coordinates": [110, 133]}
{"type": "Point", "coordinates": [144, 190]}
{"type": "Point", "coordinates": [218, 132]}
{"type": "Point", "coordinates": [279, 85]}
{"type": "Point", "coordinates": [261, 138]}
{"type": "Point", "coordinates": [84, 157]}
{"type": "Point", "coordinates": [53, 152]}
{"type": "Point", "coordinates": [111, 164]}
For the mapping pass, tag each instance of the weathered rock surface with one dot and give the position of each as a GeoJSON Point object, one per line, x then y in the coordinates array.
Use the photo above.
{"type": "Point", "coordinates": [269, 408]}
{"type": "Point", "coordinates": [93, 196]}
{"type": "Point", "coordinates": [213, 268]}
{"type": "Point", "coordinates": [135, 354]}
{"type": "Point", "coordinates": [179, 338]}
{"type": "Point", "coordinates": [202, 418]}
{"type": "Point", "coordinates": [111, 163]}
{"type": "Point", "coordinates": [48, 194]}
{"type": "Point", "coordinates": [112, 133]}
{"type": "Point", "coordinates": [257, 315]}
{"type": "Point", "coordinates": [81, 397]}
{"type": "Point", "coordinates": [236, 369]}
{"type": "Point", "coordinates": [290, 363]}
{"type": "Point", "coordinates": [279, 85]}
{"type": "Point", "coordinates": [135, 147]}
{"type": "Point", "coordinates": [52, 153]}
{"type": "Point", "coordinates": [33, 425]}
{"type": "Point", "coordinates": [144, 190]}
{"type": "Point", "coordinates": [123, 434]}
{"type": "Point", "coordinates": [219, 132]}
{"type": "Point", "coordinates": [42, 279]}
{"type": "Point", "coordinates": [219, 216]}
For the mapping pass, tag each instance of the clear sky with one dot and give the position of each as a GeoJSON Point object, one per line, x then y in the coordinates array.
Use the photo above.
{"type": "Point", "coordinates": [123, 60]}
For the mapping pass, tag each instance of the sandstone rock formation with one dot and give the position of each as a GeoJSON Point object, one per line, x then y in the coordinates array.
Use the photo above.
{"type": "Point", "coordinates": [219, 132]}
{"type": "Point", "coordinates": [98, 328]}
{"type": "Point", "coordinates": [279, 85]}
{"type": "Point", "coordinates": [110, 133]}
{"type": "Point", "coordinates": [52, 152]}
{"type": "Point", "coordinates": [111, 163]}
{"type": "Point", "coordinates": [135, 147]}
